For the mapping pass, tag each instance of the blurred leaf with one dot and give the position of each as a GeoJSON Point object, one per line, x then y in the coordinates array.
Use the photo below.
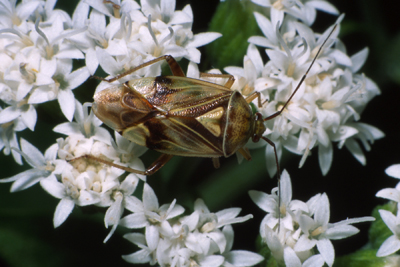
{"type": "Point", "coordinates": [379, 232]}
{"type": "Point", "coordinates": [28, 238]}
{"type": "Point", "coordinates": [264, 251]}
{"type": "Point", "coordinates": [392, 59]}
{"type": "Point", "coordinates": [362, 258]}
{"type": "Point", "coordinates": [235, 20]}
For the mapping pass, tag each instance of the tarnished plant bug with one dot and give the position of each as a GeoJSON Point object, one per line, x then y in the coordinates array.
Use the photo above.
{"type": "Point", "coordinates": [180, 116]}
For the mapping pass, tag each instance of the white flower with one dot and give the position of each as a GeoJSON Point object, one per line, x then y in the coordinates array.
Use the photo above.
{"type": "Point", "coordinates": [13, 14]}
{"type": "Point", "coordinates": [292, 260]}
{"type": "Point", "coordinates": [318, 231]}
{"type": "Point", "coordinates": [127, 148]}
{"type": "Point", "coordinates": [41, 61]}
{"type": "Point", "coordinates": [392, 193]}
{"type": "Point", "coordinates": [313, 219]}
{"type": "Point", "coordinates": [303, 10]}
{"type": "Point", "coordinates": [237, 257]}
{"type": "Point", "coordinates": [269, 203]}
{"type": "Point", "coordinates": [143, 255]}
{"type": "Point", "coordinates": [87, 125]}
{"type": "Point", "coordinates": [67, 81]}
{"type": "Point", "coordinates": [134, 36]}
{"type": "Point", "coordinates": [149, 212]}
{"type": "Point", "coordinates": [8, 138]}
{"type": "Point", "coordinates": [87, 181]}
{"type": "Point", "coordinates": [25, 112]}
{"type": "Point", "coordinates": [120, 196]}
{"type": "Point", "coordinates": [71, 191]}
{"type": "Point", "coordinates": [252, 69]}
{"type": "Point", "coordinates": [393, 171]}
{"type": "Point", "coordinates": [128, 154]}
{"type": "Point", "coordinates": [392, 244]}
{"type": "Point", "coordinates": [42, 166]}
{"type": "Point", "coordinates": [328, 103]}
{"type": "Point", "coordinates": [193, 240]}
{"type": "Point", "coordinates": [209, 223]}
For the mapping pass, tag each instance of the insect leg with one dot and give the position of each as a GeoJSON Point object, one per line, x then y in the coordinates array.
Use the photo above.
{"type": "Point", "coordinates": [158, 164]}
{"type": "Point", "coordinates": [245, 153]}
{"type": "Point", "coordinates": [173, 65]}
{"type": "Point", "coordinates": [216, 162]}
{"type": "Point", "coordinates": [228, 84]}
{"type": "Point", "coordinates": [154, 167]}
{"type": "Point", "coordinates": [253, 96]}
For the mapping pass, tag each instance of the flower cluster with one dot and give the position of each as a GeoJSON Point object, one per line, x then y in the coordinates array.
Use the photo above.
{"type": "Point", "coordinates": [36, 66]}
{"type": "Point", "coordinates": [81, 181]}
{"type": "Point", "coordinates": [39, 44]}
{"type": "Point", "coordinates": [202, 238]}
{"type": "Point", "coordinates": [328, 103]}
{"type": "Point", "coordinates": [38, 48]}
{"type": "Point", "coordinates": [392, 244]}
{"type": "Point", "coordinates": [292, 229]}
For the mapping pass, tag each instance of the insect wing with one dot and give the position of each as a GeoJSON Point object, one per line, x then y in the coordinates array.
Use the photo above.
{"type": "Point", "coordinates": [191, 116]}
{"type": "Point", "coordinates": [173, 115]}
{"type": "Point", "coordinates": [180, 96]}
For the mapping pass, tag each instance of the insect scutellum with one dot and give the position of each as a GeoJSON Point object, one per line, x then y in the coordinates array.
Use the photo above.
{"type": "Point", "coordinates": [182, 116]}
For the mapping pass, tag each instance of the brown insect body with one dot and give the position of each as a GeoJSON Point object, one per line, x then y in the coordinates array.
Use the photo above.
{"type": "Point", "coordinates": [179, 116]}
{"type": "Point", "coordinates": [182, 116]}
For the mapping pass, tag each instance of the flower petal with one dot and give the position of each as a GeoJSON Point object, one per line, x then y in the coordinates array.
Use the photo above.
{"type": "Point", "coordinates": [393, 171]}
{"type": "Point", "coordinates": [325, 247]}
{"type": "Point", "coordinates": [243, 258]}
{"type": "Point", "coordinates": [389, 246]}
{"type": "Point", "coordinates": [66, 100]}
{"type": "Point", "coordinates": [63, 210]}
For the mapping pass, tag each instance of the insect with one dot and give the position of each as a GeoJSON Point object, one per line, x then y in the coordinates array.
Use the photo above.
{"type": "Point", "coordinates": [180, 116]}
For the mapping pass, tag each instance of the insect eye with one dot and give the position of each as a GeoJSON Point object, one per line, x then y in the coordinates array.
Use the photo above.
{"type": "Point", "coordinates": [258, 116]}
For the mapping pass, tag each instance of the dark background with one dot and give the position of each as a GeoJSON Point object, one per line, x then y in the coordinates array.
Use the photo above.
{"type": "Point", "coordinates": [27, 237]}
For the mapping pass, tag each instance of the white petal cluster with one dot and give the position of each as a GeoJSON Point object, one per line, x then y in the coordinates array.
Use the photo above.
{"type": "Point", "coordinates": [304, 10]}
{"type": "Point", "coordinates": [36, 65]}
{"type": "Point", "coordinates": [301, 227]}
{"type": "Point", "coordinates": [38, 45]}
{"type": "Point", "coordinates": [83, 182]}
{"type": "Point", "coordinates": [392, 244]}
{"type": "Point", "coordinates": [199, 239]}
{"type": "Point", "coordinates": [136, 34]}
{"type": "Point", "coordinates": [329, 102]}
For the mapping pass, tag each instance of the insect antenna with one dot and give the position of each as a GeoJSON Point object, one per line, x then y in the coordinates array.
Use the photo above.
{"type": "Point", "coordinates": [280, 111]}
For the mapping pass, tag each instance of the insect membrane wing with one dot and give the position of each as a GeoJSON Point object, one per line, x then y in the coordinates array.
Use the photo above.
{"type": "Point", "coordinates": [181, 136]}
{"type": "Point", "coordinates": [181, 96]}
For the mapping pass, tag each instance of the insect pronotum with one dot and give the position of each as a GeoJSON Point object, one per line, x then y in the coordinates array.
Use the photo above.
{"type": "Point", "coordinates": [182, 116]}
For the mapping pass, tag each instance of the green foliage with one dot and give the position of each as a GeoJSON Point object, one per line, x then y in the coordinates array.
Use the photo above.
{"type": "Point", "coordinates": [361, 258]}
{"type": "Point", "coordinates": [392, 59]}
{"type": "Point", "coordinates": [264, 251]}
{"type": "Point", "coordinates": [235, 20]}
{"type": "Point", "coordinates": [379, 232]}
